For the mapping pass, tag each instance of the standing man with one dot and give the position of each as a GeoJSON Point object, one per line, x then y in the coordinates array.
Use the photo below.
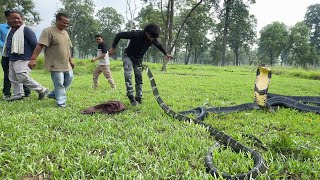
{"type": "Point", "coordinates": [57, 55]}
{"type": "Point", "coordinates": [140, 41]}
{"type": "Point", "coordinates": [19, 45]}
{"type": "Point", "coordinates": [104, 63]}
{"type": "Point", "coordinates": [4, 29]}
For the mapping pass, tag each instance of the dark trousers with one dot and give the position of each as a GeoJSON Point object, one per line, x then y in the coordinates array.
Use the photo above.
{"type": "Point", "coordinates": [6, 82]}
{"type": "Point", "coordinates": [128, 65]}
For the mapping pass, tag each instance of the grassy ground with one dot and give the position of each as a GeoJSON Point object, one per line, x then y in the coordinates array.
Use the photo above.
{"type": "Point", "coordinates": [39, 140]}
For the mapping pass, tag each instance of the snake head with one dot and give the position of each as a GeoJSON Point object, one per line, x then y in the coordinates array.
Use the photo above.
{"type": "Point", "coordinates": [264, 68]}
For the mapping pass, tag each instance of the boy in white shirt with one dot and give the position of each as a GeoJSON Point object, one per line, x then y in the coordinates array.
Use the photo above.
{"type": "Point", "coordinates": [104, 63]}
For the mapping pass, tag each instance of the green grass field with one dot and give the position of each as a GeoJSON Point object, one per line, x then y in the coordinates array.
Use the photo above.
{"type": "Point", "coordinates": [39, 140]}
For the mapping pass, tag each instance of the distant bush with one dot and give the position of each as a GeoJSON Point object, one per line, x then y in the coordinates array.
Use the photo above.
{"type": "Point", "coordinates": [296, 72]}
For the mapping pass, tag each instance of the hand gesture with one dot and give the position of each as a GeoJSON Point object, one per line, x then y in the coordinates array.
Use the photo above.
{"type": "Point", "coordinates": [72, 65]}
{"type": "Point", "coordinates": [32, 63]}
{"type": "Point", "coordinates": [168, 57]}
{"type": "Point", "coordinates": [112, 51]}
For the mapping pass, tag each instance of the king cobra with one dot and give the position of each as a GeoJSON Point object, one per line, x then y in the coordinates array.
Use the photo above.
{"type": "Point", "coordinates": [221, 137]}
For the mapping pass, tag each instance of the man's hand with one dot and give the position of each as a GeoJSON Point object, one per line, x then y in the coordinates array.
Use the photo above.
{"type": "Point", "coordinates": [168, 57]}
{"type": "Point", "coordinates": [72, 64]}
{"type": "Point", "coordinates": [112, 51]}
{"type": "Point", "coordinates": [32, 63]}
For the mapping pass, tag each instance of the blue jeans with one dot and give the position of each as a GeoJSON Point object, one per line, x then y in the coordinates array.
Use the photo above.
{"type": "Point", "coordinates": [61, 82]}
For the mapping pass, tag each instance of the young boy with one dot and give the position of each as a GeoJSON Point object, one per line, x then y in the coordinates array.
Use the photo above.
{"type": "Point", "coordinates": [140, 41]}
{"type": "Point", "coordinates": [104, 63]}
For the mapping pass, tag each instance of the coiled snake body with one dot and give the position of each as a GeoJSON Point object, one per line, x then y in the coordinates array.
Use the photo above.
{"type": "Point", "coordinates": [259, 163]}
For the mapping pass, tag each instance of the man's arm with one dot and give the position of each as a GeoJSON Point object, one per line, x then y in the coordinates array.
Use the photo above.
{"type": "Point", "coordinates": [101, 56]}
{"type": "Point", "coordinates": [1, 36]}
{"type": "Point", "coordinates": [34, 56]}
{"type": "Point", "coordinates": [1, 42]}
{"type": "Point", "coordinates": [161, 48]}
{"type": "Point", "coordinates": [71, 62]}
{"type": "Point", "coordinates": [104, 51]}
{"type": "Point", "coordinates": [121, 35]}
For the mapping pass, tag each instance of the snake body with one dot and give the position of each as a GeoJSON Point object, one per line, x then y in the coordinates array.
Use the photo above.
{"type": "Point", "coordinates": [259, 163]}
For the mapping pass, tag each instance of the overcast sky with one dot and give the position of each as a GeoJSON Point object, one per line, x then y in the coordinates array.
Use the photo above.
{"type": "Point", "coordinates": [266, 11]}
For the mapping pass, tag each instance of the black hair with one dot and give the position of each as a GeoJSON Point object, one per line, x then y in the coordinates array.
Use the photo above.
{"type": "Point", "coordinates": [7, 13]}
{"type": "Point", "coordinates": [153, 30]}
{"type": "Point", "coordinates": [98, 35]}
{"type": "Point", "coordinates": [59, 15]}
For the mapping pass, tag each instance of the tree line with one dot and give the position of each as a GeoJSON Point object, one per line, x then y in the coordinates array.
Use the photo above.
{"type": "Point", "coordinates": [215, 32]}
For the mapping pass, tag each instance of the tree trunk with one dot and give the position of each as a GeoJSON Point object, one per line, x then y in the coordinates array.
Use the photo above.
{"type": "Point", "coordinates": [236, 53]}
{"type": "Point", "coordinates": [165, 61]}
{"type": "Point", "coordinates": [225, 31]}
{"type": "Point", "coordinates": [186, 56]}
{"type": "Point", "coordinates": [195, 56]}
{"type": "Point", "coordinates": [271, 58]}
{"type": "Point", "coordinates": [168, 32]}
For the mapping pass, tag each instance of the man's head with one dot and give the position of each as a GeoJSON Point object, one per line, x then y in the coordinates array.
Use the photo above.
{"type": "Point", "coordinates": [15, 19]}
{"type": "Point", "coordinates": [6, 14]}
{"type": "Point", "coordinates": [62, 21]}
{"type": "Point", "coordinates": [152, 31]}
{"type": "Point", "coordinates": [99, 38]}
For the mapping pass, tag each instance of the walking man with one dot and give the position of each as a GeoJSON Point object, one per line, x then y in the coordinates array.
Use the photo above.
{"type": "Point", "coordinates": [19, 45]}
{"type": "Point", "coordinates": [57, 45]}
{"type": "Point", "coordinates": [4, 29]}
{"type": "Point", "coordinates": [104, 63]}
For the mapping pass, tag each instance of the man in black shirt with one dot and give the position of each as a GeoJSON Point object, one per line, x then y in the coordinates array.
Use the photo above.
{"type": "Point", "coordinates": [140, 41]}
{"type": "Point", "coordinates": [104, 63]}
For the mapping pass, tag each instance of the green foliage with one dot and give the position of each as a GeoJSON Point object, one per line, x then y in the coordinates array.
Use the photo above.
{"type": "Point", "coordinates": [313, 22]}
{"type": "Point", "coordinates": [195, 31]}
{"type": "Point", "coordinates": [297, 73]}
{"type": "Point", "coordinates": [241, 31]}
{"type": "Point", "coordinates": [300, 46]}
{"type": "Point", "coordinates": [82, 26]}
{"type": "Point", "coordinates": [273, 40]}
{"type": "Point", "coordinates": [40, 140]}
{"type": "Point", "coordinates": [109, 21]}
{"type": "Point", "coordinates": [31, 17]}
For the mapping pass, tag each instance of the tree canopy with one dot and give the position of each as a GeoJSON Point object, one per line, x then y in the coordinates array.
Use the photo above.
{"type": "Point", "coordinates": [212, 32]}
{"type": "Point", "coordinates": [31, 17]}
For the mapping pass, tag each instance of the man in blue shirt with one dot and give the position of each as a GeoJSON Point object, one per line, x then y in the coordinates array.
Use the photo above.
{"type": "Point", "coordinates": [4, 29]}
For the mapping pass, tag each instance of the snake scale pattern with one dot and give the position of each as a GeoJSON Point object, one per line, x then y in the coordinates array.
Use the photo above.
{"type": "Point", "coordinates": [221, 137]}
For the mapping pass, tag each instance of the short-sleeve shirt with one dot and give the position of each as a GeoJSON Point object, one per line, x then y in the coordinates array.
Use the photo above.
{"type": "Point", "coordinates": [102, 48]}
{"type": "Point", "coordinates": [57, 50]}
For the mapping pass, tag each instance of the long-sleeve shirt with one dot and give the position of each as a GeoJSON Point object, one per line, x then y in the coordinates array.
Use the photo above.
{"type": "Point", "coordinates": [4, 28]}
{"type": "Point", "coordinates": [30, 43]}
{"type": "Point", "coordinates": [138, 46]}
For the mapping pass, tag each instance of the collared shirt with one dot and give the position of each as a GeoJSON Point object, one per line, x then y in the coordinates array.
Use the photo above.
{"type": "Point", "coordinates": [4, 29]}
{"type": "Point", "coordinates": [138, 46]}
